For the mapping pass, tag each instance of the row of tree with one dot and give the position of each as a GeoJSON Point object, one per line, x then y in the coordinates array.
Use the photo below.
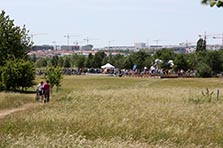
{"type": "Point", "coordinates": [206, 63]}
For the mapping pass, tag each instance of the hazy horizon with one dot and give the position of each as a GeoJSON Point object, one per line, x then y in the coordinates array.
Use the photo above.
{"type": "Point", "coordinates": [121, 22]}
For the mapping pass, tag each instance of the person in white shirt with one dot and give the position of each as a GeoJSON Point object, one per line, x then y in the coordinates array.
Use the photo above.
{"type": "Point", "coordinates": [39, 90]}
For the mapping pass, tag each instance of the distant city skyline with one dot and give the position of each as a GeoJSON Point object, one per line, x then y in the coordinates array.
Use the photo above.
{"type": "Point", "coordinates": [114, 22]}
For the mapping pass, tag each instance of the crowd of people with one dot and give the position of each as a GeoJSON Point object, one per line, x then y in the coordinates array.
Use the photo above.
{"type": "Point", "coordinates": [43, 92]}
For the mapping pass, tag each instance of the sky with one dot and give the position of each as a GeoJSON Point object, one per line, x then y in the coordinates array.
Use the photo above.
{"type": "Point", "coordinates": [115, 22]}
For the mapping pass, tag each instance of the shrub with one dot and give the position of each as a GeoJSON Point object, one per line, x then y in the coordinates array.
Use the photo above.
{"type": "Point", "coordinates": [17, 74]}
{"type": "Point", "coordinates": [203, 70]}
{"type": "Point", "coordinates": [54, 75]}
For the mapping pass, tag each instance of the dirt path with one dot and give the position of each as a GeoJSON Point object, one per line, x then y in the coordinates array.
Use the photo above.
{"type": "Point", "coordinates": [5, 112]}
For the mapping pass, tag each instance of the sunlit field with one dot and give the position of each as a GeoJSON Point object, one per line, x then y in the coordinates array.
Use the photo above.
{"type": "Point", "coordinates": [91, 111]}
{"type": "Point", "coordinates": [13, 100]}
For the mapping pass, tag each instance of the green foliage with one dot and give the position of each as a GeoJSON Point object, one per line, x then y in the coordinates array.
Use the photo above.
{"type": "Point", "coordinates": [42, 62]}
{"type": "Point", "coordinates": [15, 42]}
{"type": "Point", "coordinates": [98, 58]}
{"type": "Point", "coordinates": [203, 70]}
{"type": "Point", "coordinates": [127, 63]}
{"type": "Point", "coordinates": [61, 62]}
{"type": "Point", "coordinates": [118, 61]}
{"type": "Point", "coordinates": [66, 63]}
{"type": "Point", "coordinates": [192, 60]}
{"type": "Point", "coordinates": [212, 3]}
{"type": "Point", "coordinates": [17, 74]}
{"type": "Point", "coordinates": [207, 97]}
{"type": "Point", "coordinates": [215, 61]}
{"type": "Point", "coordinates": [208, 94]}
{"type": "Point", "coordinates": [165, 55]}
{"type": "Point", "coordinates": [16, 71]}
{"type": "Point", "coordinates": [139, 58]}
{"type": "Point", "coordinates": [80, 61]}
{"type": "Point", "coordinates": [33, 58]}
{"type": "Point", "coordinates": [54, 75]}
{"type": "Point", "coordinates": [181, 62]}
{"type": "Point", "coordinates": [89, 61]}
{"type": "Point", "coordinates": [55, 60]}
{"type": "Point", "coordinates": [212, 60]}
{"type": "Point", "coordinates": [201, 45]}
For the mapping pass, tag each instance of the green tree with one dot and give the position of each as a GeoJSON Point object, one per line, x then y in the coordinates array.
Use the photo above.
{"type": "Point", "coordinates": [80, 61]}
{"type": "Point", "coordinates": [127, 63]}
{"type": "Point", "coordinates": [203, 70]}
{"type": "Point", "coordinates": [33, 58]}
{"type": "Point", "coordinates": [54, 75]}
{"type": "Point", "coordinates": [201, 45]}
{"type": "Point", "coordinates": [192, 60]}
{"type": "Point", "coordinates": [165, 55]}
{"type": "Point", "coordinates": [215, 61]}
{"type": "Point", "coordinates": [139, 58]}
{"type": "Point", "coordinates": [218, 3]}
{"type": "Point", "coordinates": [26, 74]}
{"type": "Point", "coordinates": [89, 61]}
{"type": "Point", "coordinates": [17, 74]}
{"type": "Point", "coordinates": [98, 58]}
{"type": "Point", "coordinates": [14, 41]}
{"type": "Point", "coordinates": [111, 58]}
{"type": "Point", "coordinates": [66, 63]}
{"type": "Point", "coordinates": [118, 61]}
{"type": "Point", "coordinates": [42, 62]}
{"type": "Point", "coordinates": [181, 62]}
{"type": "Point", "coordinates": [73, 59]}
{"type": "Point", "coordinates": [61, 61]}
{"type": "Point", "coordinates": [17, 71]}
{"type": "Point", "coordinates": [55, 60]}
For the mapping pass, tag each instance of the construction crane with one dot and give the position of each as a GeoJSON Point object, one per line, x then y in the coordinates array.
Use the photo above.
{"type": "Point", "coordinates": [77, 42]}
{"type": "Point", "coordinates": [205, 36]}
{"type": "Point", "coordinates": [36, 34]}
{"type": "Point", "coordinates": [186, 43]}
{"type": "Point", "coordinates": [157, 41]}
{"type": "Point", "coordinates": [109, 43]}
{"type": "Point", "coordinates": [55, 45]}
{"type": "Point", "coordinates": [87, 40]}
{"type": "Point", "coordinates": [68, 36]}
{"type": "Point", "coordinates": [220, 36]}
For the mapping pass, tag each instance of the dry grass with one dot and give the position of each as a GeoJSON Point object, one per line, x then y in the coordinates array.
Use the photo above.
{"type": "Point", "coordinates": [121, 112]}
{"type": "Point", "coordinates": [12, 100]}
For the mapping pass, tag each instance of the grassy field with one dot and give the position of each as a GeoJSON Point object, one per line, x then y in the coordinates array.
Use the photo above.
{"type": "Point", "coordinates": [91, 111]}
{"type": "Point", "coordinates": [13, 100]}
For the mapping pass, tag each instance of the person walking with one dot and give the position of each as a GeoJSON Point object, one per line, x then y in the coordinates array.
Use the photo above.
{"type": "Point", "coordinates": [46, 92]}
{"type": "Point", "coordinates": [39, 91]}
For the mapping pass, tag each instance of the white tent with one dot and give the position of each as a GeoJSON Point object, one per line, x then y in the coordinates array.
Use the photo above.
{"type": "Point", "coordinates": [108, 66]}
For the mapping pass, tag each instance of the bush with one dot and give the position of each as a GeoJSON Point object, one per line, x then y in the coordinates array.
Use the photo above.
{"type": "Point", "coordinates": [17, 74]}
{"type": "Point", "coordinates": [203, 70]}
{"type": "Point", "coordinates": [54, 75]}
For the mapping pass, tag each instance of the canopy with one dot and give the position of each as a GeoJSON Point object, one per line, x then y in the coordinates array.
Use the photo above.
{"type": "Point", "coordinates": [108, 65]}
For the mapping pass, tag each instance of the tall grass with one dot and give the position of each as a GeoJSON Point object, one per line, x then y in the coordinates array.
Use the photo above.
{"type": "Point", "coordinates": [12, 100]}
{"type": "Point", "coordinates": [120, 112]}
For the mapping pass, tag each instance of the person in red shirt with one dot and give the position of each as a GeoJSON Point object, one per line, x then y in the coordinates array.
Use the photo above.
{"type": "Point", "coordinates": [46, 92]}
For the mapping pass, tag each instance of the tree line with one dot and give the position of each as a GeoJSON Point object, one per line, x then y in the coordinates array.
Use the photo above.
{"type": "Point", "coordinates": [206, 63]}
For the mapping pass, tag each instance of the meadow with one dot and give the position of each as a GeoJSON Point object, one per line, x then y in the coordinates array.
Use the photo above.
{"type": "Point", "coordinates": [92, 111]}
